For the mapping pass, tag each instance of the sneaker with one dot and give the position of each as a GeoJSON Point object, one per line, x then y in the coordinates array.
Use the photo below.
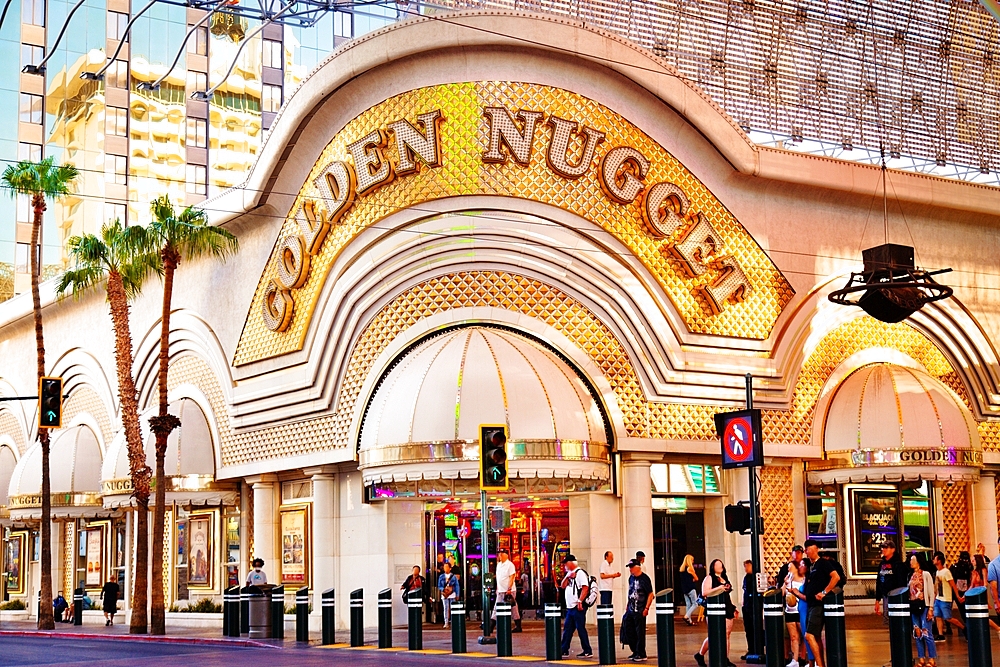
{"type": "Point", "coordinates": [938, 638]}
{"type": "Point", "coordinates": [585, 654]}
{"type": "Point", "coordinates": [638, 658]}
{"type": "Point", "coordinates": [793, 663]}
{"type": "Point", "coordinates": [565, 654]}
{"type": "Point", "coordinates": [700, 659]}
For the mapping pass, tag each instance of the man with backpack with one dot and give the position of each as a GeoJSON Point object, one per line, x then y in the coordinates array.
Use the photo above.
{"type": "Point", "coordinates": [577, 588]}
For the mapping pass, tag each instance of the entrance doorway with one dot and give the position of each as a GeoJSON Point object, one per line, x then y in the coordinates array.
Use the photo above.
{"type": "Point", "coordinates": [674, 536]}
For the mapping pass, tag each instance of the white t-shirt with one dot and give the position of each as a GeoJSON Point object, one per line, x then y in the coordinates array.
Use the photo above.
{"type": "Point", "coordinates": [505, 573]}
{"type": "Point", "coordinates": [606, 584]}
{"type": "Point", "coordinates": [942, 578]}
{"type": "Point", "coordinates": [256, 578]}
{"type": "Point", "coordinates": [579, 578]}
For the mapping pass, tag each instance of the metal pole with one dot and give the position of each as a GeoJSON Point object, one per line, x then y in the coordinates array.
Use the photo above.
{"type": "Point", "coordinates": [977, 629]}
{"type": "Point", "coordinates": [458, 642]}
{"type": "Point", "coordinates": [485, 552]}
{"type": "Point", "coordinates": [278, 612]}
{"type": "Point", "coordinates": [504, 649]}
{"type": "Point", "coordinates": [665, 644]}
{"type": "Point", "coordinates": [78, 606]}
{"type": "Point", "coordinates": [414, 626]}
{"type": "Point", "coordinates": [553, 628]}
{"type": "Point", "coordinates": [329, 617]}
{"type": "Point", "coordinates": [715, 609]}
{"type": "Point", "coordinates": [302, 614]}
{"type": "Point", "coordinates": [358, 617]}
{"type": "Point", "coordinates": [755, 652]}
{"type": "Point", "coordinates": [233, 628]}
{"type": "Point", "coordinates": [774, 628]}
{"type": "Point", "coordinates": [385, 618]}
{"type": "Point", "coordinates": [606, 634]}
{"type": "Point", "coordinates": [900, 628]}
{"type": "Point", "coordinates": [836, 632]}
{"type": "Point", "coordinates": [245, 610]}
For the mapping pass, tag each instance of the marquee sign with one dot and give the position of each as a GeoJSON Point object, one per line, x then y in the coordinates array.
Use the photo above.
{"type": "Point", "coordinates": [526, 141]}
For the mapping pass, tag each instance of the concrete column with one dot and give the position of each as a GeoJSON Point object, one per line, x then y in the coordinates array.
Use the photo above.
{"type": "Point", "coordinates": [265, 523]}
{"type": "Point", "coordinates": [984, 514]}
{"type": "Point", "coordinates": [323, 534]}
{"type": "Point", "coordinates": [637, 507]}
{"type": "Point", "coordinates": [594, 528]}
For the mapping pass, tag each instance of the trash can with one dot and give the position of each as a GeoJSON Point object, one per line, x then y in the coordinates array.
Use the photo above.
{"type": "Point", "coordinates": [260, 612]}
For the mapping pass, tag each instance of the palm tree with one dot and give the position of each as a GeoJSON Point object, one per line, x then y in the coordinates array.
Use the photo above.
{"type": "Point", "coordinates": [187, 235]}
{"type": "Point", "coordinates": [41, 180]}
{"type": "Point", "coordinates": [123, 257]}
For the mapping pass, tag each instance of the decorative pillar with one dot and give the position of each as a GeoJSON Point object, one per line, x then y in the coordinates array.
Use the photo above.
{"type": "Point", "coordinates": [323, 533]}
{"type": "Point", "coordinates": [637, 506]}
{"type": "Point", "coordinates": [264, 523]}
{"type": "Point", "coordinates": [985, 512]}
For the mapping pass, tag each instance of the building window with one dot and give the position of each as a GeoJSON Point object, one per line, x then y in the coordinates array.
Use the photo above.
{"type": "Point", "coordinates": [198, 42]}
{"type": "Point", "coordinates": [822, 522]}
{"type": "Point", "coordinates": [117, 74]}
{"type": "Point", "coordinates": [31, 54]}
{"type": "Point", "coordinates": [116, 121]}
{"type": "Point", "coordinates": [29, 152]}
{"type": "Point", "coordinates": [196, 81]}
{"type": "Point", "coordinates": [31, 108]}
{"type": "Point", "coordinates": [116, 25]}
{"type": "Point", "coordinates": [197, 133]}
{"type": "Point", "coordinates": [115, 169]}
{"type": "Point", "coordinates": [292, 491]}
{"type": "Point", "coordinates": [272, 53]}
{"type": "Point", "coordinates": [270, 98]}
{"type": "Point", "coordinates": [197, 179]}
{"type": "Point", "coordinates": [33, 12]}
{"type": "Point", "coordinates": [685, 479]}
{"type": "Point", "coordinates": [113, 211]}
{"type": "Point", "coordinates": [24, 212]}
{"type": "Point", "coordinates": [21, 258]}
{"type": "Point", "coordinates": [343, 24]}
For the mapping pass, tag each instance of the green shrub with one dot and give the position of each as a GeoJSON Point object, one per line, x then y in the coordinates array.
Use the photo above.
{"type": "Point", "coordinates": [13, 605]}
{"type": "Point", "coordinates": [203, 606]}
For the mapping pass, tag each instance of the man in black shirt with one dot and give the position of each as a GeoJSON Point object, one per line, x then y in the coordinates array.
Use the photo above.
{"type": "Point", "coordinates": [640, 598]}
{"type": "Point", "coordinates": [821, 579]}
{"type": "Point", "coordinates": [892, 574]}
{"type": "Point", "coordinates": [796, 558]}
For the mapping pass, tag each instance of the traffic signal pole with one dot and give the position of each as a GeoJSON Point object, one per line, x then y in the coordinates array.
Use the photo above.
{"type": "Point", "coordinates": [755, 653]}
{"type": "Point", "coordinates": [484, 532]}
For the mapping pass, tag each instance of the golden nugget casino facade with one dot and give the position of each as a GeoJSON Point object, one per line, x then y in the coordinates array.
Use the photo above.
{"type": "Point", "coordinates": [507, 218]}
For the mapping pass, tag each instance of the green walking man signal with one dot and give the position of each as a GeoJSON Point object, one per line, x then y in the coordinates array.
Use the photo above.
{"type": "Point", "coordinates": [493, 457]}
{"type": "Point", "coordinates": [50, 397]}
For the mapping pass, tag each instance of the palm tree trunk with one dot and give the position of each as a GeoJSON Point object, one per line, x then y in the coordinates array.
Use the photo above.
{"type": "Point", "coordinates": [46, 620]}
{"type": "Point", "coordinates": [162, 425]}
{"type": "Point", "coordinates": [136, 453]}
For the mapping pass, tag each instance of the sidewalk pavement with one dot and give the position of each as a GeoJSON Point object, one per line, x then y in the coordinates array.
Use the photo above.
{"type": "Point", "coordinates": [868, 640]}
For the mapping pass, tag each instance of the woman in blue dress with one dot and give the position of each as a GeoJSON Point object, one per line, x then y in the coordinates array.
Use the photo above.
{"type": "Point", "coordinates": [804, 611]}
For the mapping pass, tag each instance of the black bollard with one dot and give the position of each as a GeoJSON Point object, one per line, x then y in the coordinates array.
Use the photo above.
{"type": "Point", "coordinates": [977, 629]}
{"type": "Point", "coordinates": [415, 621]}
{"type": "Point", "coordinates": [302, 614]}
{"type": "Point", "coordinates": [504, 648]}
{"type": "Point", "coordinates": [458, 640]}
{"type": "Point", "coordinates": [666, 646]}
{"type": "Point", "coordinates": [900, 628]}
{"type": "Point", "coordinates": [606, 634]}
{"type": "Point", "coordinates": [78, 606]}
{"type": "Point", "coordinates": [836, 631]}
{"type": "Point", "coordinates": [245, 610]}
{"type": "Point", "coordinates": [385, 618]}
{"type": "Point", "coordinates": [715, 609]}
{"type": "Point", "coordinates": [358, 617]}
{"type": "Point", "coordinates": [553, 630]}
{"type": "Point", "coordinates": [329, 617]}
{"type": "Point", "coordinates": [231, 623]}
{"type": "Point", "coordinates": [278, 612]}
{"type": "Point", "coordinates": [774, 628]}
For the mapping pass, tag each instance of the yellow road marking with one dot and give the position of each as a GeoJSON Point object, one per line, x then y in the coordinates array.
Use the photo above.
{"type": "Point", "coordinates": [523, 658]}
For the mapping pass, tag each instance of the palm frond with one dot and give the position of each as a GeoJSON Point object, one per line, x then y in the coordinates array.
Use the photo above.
{"type": "Point", "coordinates": [189, 232]}
{"type": "Point", "coordinates": [130, 251]}
{"type": "Point", "coordinates": [39, 178]}
{"type": "Point", "coordinates": [79, 280]}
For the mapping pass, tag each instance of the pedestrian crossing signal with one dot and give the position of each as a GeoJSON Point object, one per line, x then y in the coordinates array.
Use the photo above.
{"type": "Point", "coordinates": [493, 457]}
{"type": "Point", "coordinates": [50, 402]}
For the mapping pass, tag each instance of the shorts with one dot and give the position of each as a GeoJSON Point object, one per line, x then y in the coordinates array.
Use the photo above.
{"type": "Point", "coordinates": [942, 609]}
{"type": "Point", "coordinates": [814, 621]}
{"type": "Point", "coordinates": [791, 617]}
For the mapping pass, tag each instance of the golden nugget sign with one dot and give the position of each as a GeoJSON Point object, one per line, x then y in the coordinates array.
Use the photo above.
{"type": "Point", "coordinates": [570, 152]}
{"type": "Point", "coordinates": [516, 140]}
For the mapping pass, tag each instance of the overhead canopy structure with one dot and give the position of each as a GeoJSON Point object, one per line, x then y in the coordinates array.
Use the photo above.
{"type": "Point", "coordinates": [75, 473]}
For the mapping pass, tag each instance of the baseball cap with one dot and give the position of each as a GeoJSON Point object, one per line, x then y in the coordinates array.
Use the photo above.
{"type": "Point", "coordinates": [888, 544]}
{"type": "Point", "coordinates": [640, 554]}
{"type": "Point", "coordinates": [568, 558]}
{"type": "Point", "coordinates": [634, 563]}
{"type": "Point", "coordinates": [503, 551]}
{"type": "Point", "coordinates": [798, 547]}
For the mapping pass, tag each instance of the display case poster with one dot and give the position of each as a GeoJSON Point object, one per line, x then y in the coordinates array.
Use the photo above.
{"type": "Point", "coordinates": [199, 550]}
{"type": "Point", "coordinates": [293, 546]}
{"type": "Point", "coordinates": [94, 574]}
{"type": "Point", "coordinates": [12, 562]}
{"type": "Point", "coordinates": [876, 519]}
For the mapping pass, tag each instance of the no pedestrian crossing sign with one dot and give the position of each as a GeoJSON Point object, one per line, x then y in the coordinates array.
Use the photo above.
{"type": "Point", "coordinates": [742, 444]}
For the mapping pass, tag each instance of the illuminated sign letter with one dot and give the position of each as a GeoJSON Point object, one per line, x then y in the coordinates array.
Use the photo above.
{"type": "Point", "coordinates": [562, 132]}
{"type": "Point", "coordinates": [293, 263]}
{"type": "Point", "coordinates": [664, 207]}
{"type": "Point", "coordinates": [313, 225]}
{"type": "Point", "coordinates": [621, 173]}
{"type": "Point", "coordinates": [370, 165]}
{"type": "Point", "coordinates": [336, 185]}
{"type": "Point", "coordinates": [732, 284]}
{"type": "Point", "coordinates": [504, 130]}
{"type": "Point", "coordinates": [411, 143]}
{"type": "Point", "coordinates": [697, 246]}
{"type": "Point", "coordinates": [277, 307]}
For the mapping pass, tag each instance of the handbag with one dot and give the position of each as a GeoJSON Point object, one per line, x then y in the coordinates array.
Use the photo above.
{"type": "Point", "coordinates": [448, 590]}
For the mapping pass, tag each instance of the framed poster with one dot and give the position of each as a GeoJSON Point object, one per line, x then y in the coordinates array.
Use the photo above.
{"type": "Point", "coordinates": [95, 571]}
{"type": "Point", "coordinates": [876, 519]}
{"type": "Point", "coordinates": [199, 538]}
{"type": "Point", "coordinates": [14, 563]}
{"type": "Point", "coordinates": [294, 545]}
{"type": "Point", "coordinates": [503, 542]}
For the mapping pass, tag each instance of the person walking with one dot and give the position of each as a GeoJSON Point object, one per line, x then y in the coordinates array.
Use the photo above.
{"type": "Point", "coordinates": [946, 594]}
{"type": "Point", "coordinates": [606, 582]}
{"type": "Point", "coordinates": [689, 587]}
{"type": "Point", "coordinates": [980, 577]}
{"type": "Point", "coordinates": [891, 575]}
{"type": "Point", "coordinates": [640, 558]}
{"type": "Point", "coordinates": [716, 582]}
{"type": "Point", "coordinates": [109, 594]}
{"type": "Point", "coordinates": [749, 586]}
{"type": "Point", "coordinates": [506, 578]}
{"type": "Point", "coordinates": [821, 579]}
{"type": "Point", "coordinates": [961, 571]}
{"type": "Point", "coordinates": [256, 576]}
{"type": "Point", "coordinates": [640, 598]}
{"type": "Point", "coordinates": [576, 586]}
{"type": "Point", "coordinates": [413, 583]}
{"type": "Point", "coordinates": [449, 590]}
{"type": "Point", "coordinates": [795, 612]}
{"type": "Point", "coordinates": [922, 610]}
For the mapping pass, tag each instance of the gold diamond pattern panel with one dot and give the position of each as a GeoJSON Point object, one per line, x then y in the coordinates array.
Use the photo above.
{"type": "Point", "coordinates": [68, 552]}
{"type": "Point", "coordinates": [86, 400]}
{"type": "Point", "coordinates": [11, 427]}
{"type": "Point", "coordinates": [463, 172]}
{"type": "Point", "coordinates": [778, 511]}
{"type": "Point", "coordinates": [996, 483]}
{"type": "Point", "coordinates": [955, 506]}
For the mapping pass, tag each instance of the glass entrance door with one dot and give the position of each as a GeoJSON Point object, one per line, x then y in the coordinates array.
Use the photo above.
{"type": "Point", "coordinates": [674, 536]}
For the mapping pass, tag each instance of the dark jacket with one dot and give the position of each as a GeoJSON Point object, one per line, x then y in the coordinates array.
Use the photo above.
{"type": "Point", "coordinates": [892, 574]}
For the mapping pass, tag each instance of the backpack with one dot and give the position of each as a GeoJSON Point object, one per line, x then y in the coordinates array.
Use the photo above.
{"type": "Point", "coordinates": [592, 592]}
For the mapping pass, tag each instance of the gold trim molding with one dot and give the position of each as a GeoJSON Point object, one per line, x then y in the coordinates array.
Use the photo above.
{"type": "Point", "coordinates": [468, 450]}
{"type": "Point", "coordinates": [33, 500]}
{"type": "Point", "coordinates": [877, 458]}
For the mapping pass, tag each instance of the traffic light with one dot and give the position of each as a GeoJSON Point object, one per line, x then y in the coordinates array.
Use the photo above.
{"type": "Point", "coordinates": [493, 456]}
{"type": "Point", "coordinates": [50, 392]}
{"type": "Point", "coordinates": [738, 519]}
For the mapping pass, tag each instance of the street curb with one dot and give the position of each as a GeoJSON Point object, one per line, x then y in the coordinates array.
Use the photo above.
{"type": "Point", "coordinates": [234, 643]}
